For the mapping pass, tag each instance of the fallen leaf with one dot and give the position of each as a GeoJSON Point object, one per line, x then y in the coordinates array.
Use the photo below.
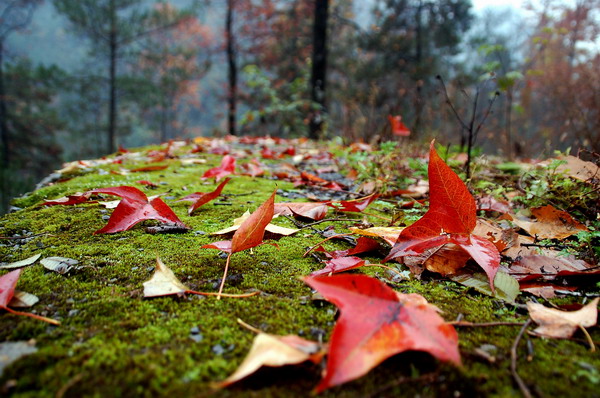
{"type": "Point", "coordinates": [22, 263]}
{"type": "Point", "coordinates": [68, 200]}
{"type": "Point", "coordinates": [134, 208]}
{"type": "Point", "coordinates": [578, 169]}
{"type": "Point", "coordinates": [395, 323]}
{"type": "Point", "coordinates": [549, 223]}
{"type": "Point", "coordinates": [200, 198]}
{"type": "Point", "coordinates": [388, 234]}
{"type": "Point", "coordinates": [252, 230]}
{"type": "Point", "coordinates": [546, 267]}
{"type": "Point", "coordinates": [506, 287]}
{"type": "Point", "coordinates": [271, 350]}
{"type": "Point", "coordinates": [312, 211]}
{"type": "Point", "coordinates": [363, 245]}
{"type": "Point", "coordinates": [8, 282]}
{"type": "Point", "coordinates": [163, 282]}
{"type": "Point", "coordinates": [23, 300]}
{"type": "Point", "coordinates": [274, 229]}
{"type": "Point", "coordinates": [60, 265]}
{"type": "Point", "coordinates": [356, 205]}
{"type": "Point", "coordinates": [398, 128]}
{"type": "Point", "coordinates": [10, 351]}
{"type": "Point", "coordinates": [339, 264]}
{"type": "Point", "coordinates": [451, 218]}
{"type": "Point", "coordinates": [149, 168]}
{"type": "Point", "coordinates": [562, 324]}
{"type": "Point", "coordinates": [226, 168]}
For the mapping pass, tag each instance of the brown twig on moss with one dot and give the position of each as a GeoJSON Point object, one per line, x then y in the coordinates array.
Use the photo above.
{"type": "Point", "coordinates": [513, 361]}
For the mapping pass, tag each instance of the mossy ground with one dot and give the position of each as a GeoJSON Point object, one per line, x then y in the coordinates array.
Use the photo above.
{"type": "Point", "coordinates": [113, 342]}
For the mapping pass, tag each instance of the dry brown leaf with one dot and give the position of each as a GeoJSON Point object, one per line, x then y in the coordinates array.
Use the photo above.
{"type": "Point", "coordinates": [549, 223]}
{"type": "Point", "coordinates": [447, 260]}
{"type": "Point", "coordinates": [271, 350]}
{"type": "Point", "coordinates": [544, 265]}
{"type": "Point", "coordinates": [163, 282]}
{"type": "Point", "coordinates": [562, 324]}
{"type": "Point", "coordinates": [579, 169]}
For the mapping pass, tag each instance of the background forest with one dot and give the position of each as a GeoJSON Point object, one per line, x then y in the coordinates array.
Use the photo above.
{"type": "Point", "coordinates": [81, 78]}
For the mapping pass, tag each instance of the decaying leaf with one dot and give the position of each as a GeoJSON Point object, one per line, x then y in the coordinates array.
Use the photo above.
{"type": "Point", "coordinates": [163, 282]}
{"type": "Point", "coordinates": [61, 265]}
{"type": "Point", "coordinates": [562, 324]}
{"type": "Point", "coordinates": [22, 263]}
{"type": "Point", "coordinates": [549, 223]}
{"type": "Point", "coordinates": [506, 287]}
{"type": "Point", "coordinates": [271, 350]}
{"type": "Point", "coordinates": [313, 211]}
{"type": "Point", "coordinates": [578, 169]}
{"type": "Point", "coordinates": [68, 200]}
{"type": "Point", "coordinates": [395, 323]}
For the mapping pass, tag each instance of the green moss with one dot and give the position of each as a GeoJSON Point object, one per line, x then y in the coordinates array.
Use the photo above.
{"type": "Point", "coordinates": [113, 342]}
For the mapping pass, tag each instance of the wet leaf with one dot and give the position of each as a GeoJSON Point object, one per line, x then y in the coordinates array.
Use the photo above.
{"type": "Point", "coordinates": [395, 323]}
{"type": "Point", "coordinates": [562, 324]}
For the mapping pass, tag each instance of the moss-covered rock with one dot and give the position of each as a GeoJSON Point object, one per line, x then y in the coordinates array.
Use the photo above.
{"type": "Point", "coordinates": [113, 342]}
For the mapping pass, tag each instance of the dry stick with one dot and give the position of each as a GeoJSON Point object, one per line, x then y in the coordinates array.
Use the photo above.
{"type": "Point", "coordinates": [513, 362]}
{"type": "Point", "coordinates": [39, 317]}
{"type": "Point", "coordinates": [249, 327]}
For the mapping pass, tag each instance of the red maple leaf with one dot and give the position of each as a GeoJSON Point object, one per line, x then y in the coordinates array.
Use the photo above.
{"type": "Point", "coordinates": [312, 211]}
{"type": "Point", "coordinates": [355, 205]}
{"type": "Point", "coordinates": [200, 198]}
{"type": "Point", "coordinates": [376, 323]}
{"type": "Point", "coordinates": [8, 282]}
{"type": "Point", "coordinates": [69, 200]}
{"type": "Point", "coordinates": [398, 128]}
{"type": "Point", "coordinates": [450, 219]}
{"type": "Point", "coordinates": [227, 167]}
{"type": "Point", "coordinates": [134, 208]}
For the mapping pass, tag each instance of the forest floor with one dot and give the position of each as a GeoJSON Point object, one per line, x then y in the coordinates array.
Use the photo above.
{"type": "Point", "coordinates": [114, 341]}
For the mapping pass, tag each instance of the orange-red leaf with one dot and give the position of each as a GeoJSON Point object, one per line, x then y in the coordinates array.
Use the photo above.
{"type": "Point", "coordinates": [226, 167]}
{"type": "Point", "coordinates": [377, 323]}
{"type": "Point", "coordinates": [201, 198]}
{"type": "Point", "coordinates": [252, 230]}
{"type": "Point", "coordinates": [135, 208]}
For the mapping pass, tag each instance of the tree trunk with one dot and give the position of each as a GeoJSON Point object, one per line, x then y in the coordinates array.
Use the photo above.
{"type": "Point", "coordinates": [112, 80]}
{"type": "Point", "coordinates": [3, 114]}
{"type": "Point", "coordinates": [231, 61]}
{"type": "Point", "coordinates": [319, 66]}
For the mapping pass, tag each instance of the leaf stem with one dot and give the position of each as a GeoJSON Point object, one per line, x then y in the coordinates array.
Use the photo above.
{"type": "Point", "coordinates": [224, 276]}
{"type": "Point", "coordinates": [249, 327]}
{"type": "Point", "coordinates": [38, 317]}
{"type": "Point", "coordinates": [243, 295]}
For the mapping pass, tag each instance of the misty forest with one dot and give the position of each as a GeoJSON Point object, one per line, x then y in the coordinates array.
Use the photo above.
{"type": "Point", "coordinates": [78, 79]}
{"type": "Point", "coordinates": [283, 198]}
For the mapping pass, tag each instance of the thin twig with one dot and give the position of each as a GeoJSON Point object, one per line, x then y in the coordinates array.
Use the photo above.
{"type": "Point", "coordinates": [249, 327]}
{"type": "Point", "coordinates": [324, 220]}
{"type": "Point", "coordinates": [35, 316]}
{"type": "Point", "coordinates": [513, 361]}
